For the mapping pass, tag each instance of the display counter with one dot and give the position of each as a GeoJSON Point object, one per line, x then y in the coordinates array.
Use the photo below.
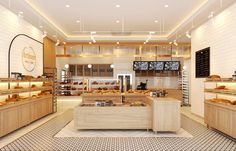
{"type": "Point", "coordinates": [140, 112]}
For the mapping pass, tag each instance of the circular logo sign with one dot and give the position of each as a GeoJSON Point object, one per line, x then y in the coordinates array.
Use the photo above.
{"type": "Point", "coordinates": [29, 59]}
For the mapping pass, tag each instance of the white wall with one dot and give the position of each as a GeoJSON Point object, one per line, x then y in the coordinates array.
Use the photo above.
{"type": "Point", "coordinates": [10, 26]}
{"type": "Point", "coordinates": [218, 33]}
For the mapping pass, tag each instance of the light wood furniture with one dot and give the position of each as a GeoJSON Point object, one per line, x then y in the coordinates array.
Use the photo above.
{"type": "Point", "coordinates": [15, 116]}
{"type": "Point", "coordinates": [49, 53]}
{"type": "Point", "coordinates": [160, 114]}
{"type": "Point", "coordinates": [221, 116]}
{"type": "Point", "coordinates": [90, 98]}
{"type": "Point", "coordinates": [166, 114]}
{"type": "Point", "coordinates": [27, 107]}
{"type": "Point", "coordinates": [135, 97]}
{"type": "Point", "coordinates": [112, 117]}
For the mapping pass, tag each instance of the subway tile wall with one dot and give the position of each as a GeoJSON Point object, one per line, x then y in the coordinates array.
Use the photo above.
{"type": "Point", "coordinates": [10, 26]}
{"type": "Point", "coordinates": [219, 33]}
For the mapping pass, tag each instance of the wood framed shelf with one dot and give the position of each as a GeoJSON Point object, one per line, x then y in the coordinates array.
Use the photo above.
{"type": "Point", "coordinates": [218, 91]}
{"type": "Point", "coordinates": [220, 112]}
{"type": "Point", "coordinates": [20, 107]}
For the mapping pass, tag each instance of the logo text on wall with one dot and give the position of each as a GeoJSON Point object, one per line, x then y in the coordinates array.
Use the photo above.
{"type": "Point", "coordinates": [28, 59]}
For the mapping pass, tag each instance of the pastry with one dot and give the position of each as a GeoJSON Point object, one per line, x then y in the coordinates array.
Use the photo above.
{"type": "Point", "coordinates": [33, 86]}
{"type": "Point", "coordinates": [214, 77]}
{"type": "Point", "coordinates": [3, 103]}
{"type": "Point", "coordinates": [18, 87]}
{"type": "Point", "coordinates": [221, 87]}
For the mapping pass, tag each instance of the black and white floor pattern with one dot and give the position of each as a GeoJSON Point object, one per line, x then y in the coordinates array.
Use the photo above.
{"type": "Point", "coordinates": [42, 138]}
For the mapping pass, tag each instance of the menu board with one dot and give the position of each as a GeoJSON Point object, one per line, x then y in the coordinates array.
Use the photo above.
{"type": "Point", "coordinates": [156, 65]}
{"type": "Point", "coordinates": [203, 63]}
{"type": "Point", "coordinates": [140, 65]}
{"type": "Point", "coordinates": [172, 65]}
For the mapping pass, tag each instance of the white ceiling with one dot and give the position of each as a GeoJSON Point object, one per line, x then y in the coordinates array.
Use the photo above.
{"type": "Point", "coordinates": [101, 15]}
{"type": "Point", "coordinates": [136, 16]}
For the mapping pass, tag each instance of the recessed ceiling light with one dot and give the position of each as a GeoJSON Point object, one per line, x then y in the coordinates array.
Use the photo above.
{"type": "Point", "coordinates": [20, 12]}
{"type": "Point", "coordinates": [117, 6]}
{"type": "Point", "coordinates": [156, 21]}
{"type": "Point", "coordinates": [166, 6]}
{"type": "Point", "coordinates": [77, 21]}
{"type": "Point", "coordinates": [117, 21]}
{"type": "Point", "coordinates": [67, 6]}
{"type": "Point", "coordinates": [40, 26]}
{"type": "Point", "coordinates": [93, 32]}
{"type": "Point", "coordinates": [152, 32]}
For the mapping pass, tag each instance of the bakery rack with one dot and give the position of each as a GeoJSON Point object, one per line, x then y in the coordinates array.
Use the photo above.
{"type": "Point", "coordinates": [51, 73]}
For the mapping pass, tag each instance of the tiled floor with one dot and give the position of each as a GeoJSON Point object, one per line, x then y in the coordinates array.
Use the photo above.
{"type": "Point", "coordinates": [42, 138]}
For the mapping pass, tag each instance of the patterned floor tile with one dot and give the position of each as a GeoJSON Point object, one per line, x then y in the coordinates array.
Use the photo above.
{"type": "Point", "coordinates": [42, 138]}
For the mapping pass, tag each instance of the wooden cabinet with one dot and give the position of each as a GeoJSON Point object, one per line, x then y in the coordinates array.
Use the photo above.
{"type": "Point", "coordinates": [16, 116]}
{"type": "Point", "coordinates": [221, 117]}
{"type": "Point", "coordinates": [210, 115]}
{"type": "Point", "coordinates": [24, 114]}
{"type": "Point", "coordinates": [9, 120]}
{"type": "Point", "coordinates": [166, 114]}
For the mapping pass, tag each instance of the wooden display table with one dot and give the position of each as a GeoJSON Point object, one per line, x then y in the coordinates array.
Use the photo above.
{"type": "Point", "coordinates": [90, 98]}
{"type": "Point", "coordinates": [159, 114]}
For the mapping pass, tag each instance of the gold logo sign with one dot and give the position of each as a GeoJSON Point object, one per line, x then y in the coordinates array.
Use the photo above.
{"type": "Point", "coordinates": [29, 59]}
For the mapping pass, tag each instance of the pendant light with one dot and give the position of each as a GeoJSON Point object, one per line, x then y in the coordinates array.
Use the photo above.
{"type": "Point", "coordinates": [89, 66]}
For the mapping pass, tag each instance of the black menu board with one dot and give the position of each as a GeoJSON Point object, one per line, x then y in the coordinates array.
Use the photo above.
{"type": "Point", "coordinates": [172, 66]}
{"type": "Point", "coordinates": [140, 65]}
{"type": "Point", "coordinates": [156, 65]}
{"type": "Point", "coordinates": [203, 63]}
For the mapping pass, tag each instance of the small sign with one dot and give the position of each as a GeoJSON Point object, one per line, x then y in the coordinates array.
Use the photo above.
{"type": "Point", "coordinates": [29, 59]}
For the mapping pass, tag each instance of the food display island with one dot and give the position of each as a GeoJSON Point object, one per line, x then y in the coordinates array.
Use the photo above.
{"type": "Point", "coordinates": [133, 111]}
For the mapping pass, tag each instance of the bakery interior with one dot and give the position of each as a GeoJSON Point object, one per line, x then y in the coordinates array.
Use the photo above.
{"type": "Point", "coordinates": [117, 75]}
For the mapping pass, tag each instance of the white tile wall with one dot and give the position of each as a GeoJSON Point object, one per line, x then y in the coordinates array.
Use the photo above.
{"type": "Point", "coordinates": [10, 26]}
{"type": "Point", "coordinates": [218, 33]}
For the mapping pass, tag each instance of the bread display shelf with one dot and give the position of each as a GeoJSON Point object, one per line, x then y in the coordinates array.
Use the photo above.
{"type": "Point", "coordinates": [220, 113]}
{"type": "Point", "coordinates": [221, 91]}
{"type": "Point", "coordinates": [24, 90]}
{"type": "Point", "coordinates": [21, 104]}
{"type": "Point", "coordinates": [24, 101]}
{"type": "Point", "coordinates": [22, 113]}
{"type": "Point", "coordinates": [74, 85]}
{"type": "Point", "coordinates": [90, 98]}
{"type": "Point", "coordinates": [9, 80]}
{"type": "Point", "coordinates": [68, 90]}
{"type": "Point", "coordinates": [226, 106]}
{"type": "Point", "coordinates": [221, 80]}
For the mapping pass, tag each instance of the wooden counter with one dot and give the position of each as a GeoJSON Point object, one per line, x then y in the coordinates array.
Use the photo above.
{"type": "Point", "coordinates": [91, 98]}
{"type": "Point", "coordinates": [160, 114]}
{"type": "Point", "coordinates": [117, 117]}
{"type": "Point", "coordinates": [166, 114]}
